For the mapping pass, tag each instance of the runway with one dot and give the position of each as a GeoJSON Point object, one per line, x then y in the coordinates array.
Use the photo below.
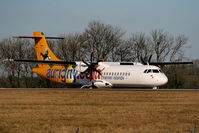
{"type": "Point", "coordinates": [102, 89]}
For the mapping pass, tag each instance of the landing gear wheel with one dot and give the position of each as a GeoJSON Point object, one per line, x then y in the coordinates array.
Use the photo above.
{"type": "Point", "coordinates": [155, 88]}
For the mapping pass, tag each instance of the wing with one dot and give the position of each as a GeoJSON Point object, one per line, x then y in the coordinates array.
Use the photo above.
{"type": "Point", "coordinates": [169, 63]}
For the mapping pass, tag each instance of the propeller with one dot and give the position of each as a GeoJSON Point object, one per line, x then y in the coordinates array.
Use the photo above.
{"type": "Point", "coordinates": [144, 62]}
{"type": "Point", "coordinates": [92, 67]}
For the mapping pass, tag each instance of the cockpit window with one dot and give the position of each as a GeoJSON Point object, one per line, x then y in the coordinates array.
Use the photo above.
{"type": "Point", "coordinates": [149, 71]}
{"type": "Point", "coordinates": [155, 71]}
{"type": "Point", "coordinates": [160, 71]}
{"type": "Point", "coordinates": [145, 71]}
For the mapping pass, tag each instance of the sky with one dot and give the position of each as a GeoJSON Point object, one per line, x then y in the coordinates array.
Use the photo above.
{"type": "Point", "coordinates": [56, 17]}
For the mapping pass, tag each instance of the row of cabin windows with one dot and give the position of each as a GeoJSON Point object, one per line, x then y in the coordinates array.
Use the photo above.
{"type": "Point", "coordinates": [116, 73]}
{"type": "Point", "coordinates": [153, 71]}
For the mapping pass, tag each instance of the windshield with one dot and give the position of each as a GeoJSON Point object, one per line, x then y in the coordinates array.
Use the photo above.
{"type": "Point", "coordinates": [153, 71]}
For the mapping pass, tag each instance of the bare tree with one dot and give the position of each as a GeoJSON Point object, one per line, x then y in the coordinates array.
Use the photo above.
{"type": "Point", "coordinates": [15, 49]}
{"type": "Point", "coordinates": [177, 52]}
{"type": "Point", "coordinates": [71, 47]}
{"type": "Point", "coordinates": [102, 39]}
{"type": "Point", "coordinates": [140, 44]}
{"type": "Point", "coordinates": [161, 44]}
{"type": "Point", "coordinates": [124, 52]}
{"type": "Point", "coordinates": [27, 73]}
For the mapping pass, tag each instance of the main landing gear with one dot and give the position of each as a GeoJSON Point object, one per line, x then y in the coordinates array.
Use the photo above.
{"type": "Point", "coordinates": [155, 88]}
{"type": "Point", "coordinates": [89, 86]}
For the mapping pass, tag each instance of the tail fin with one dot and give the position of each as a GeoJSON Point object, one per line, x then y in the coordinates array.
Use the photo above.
{"type": "Point", "coordinates": [43, 52]}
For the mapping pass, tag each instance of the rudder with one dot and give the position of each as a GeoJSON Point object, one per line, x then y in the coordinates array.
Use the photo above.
{"type": "Point", "coordinates": [43, 51]}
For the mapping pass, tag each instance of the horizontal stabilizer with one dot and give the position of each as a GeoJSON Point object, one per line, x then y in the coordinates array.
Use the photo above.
{"type": "Point", "coordinates": [33, 37]}
{"type": "Point", "coordinates": [43, 61]}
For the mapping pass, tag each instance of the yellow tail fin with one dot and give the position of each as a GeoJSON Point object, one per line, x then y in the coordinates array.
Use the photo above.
{"type": "Point", "coordinates": [43, 52]}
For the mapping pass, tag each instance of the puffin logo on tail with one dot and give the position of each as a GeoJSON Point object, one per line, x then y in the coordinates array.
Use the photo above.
{"type": "Point", "coordinates": [45, 55]}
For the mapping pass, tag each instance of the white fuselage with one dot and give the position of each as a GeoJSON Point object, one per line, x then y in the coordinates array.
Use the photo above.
{"type": "Point", "coordinates": [137, 75]}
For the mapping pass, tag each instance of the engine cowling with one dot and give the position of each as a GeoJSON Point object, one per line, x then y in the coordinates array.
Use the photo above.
{"type": "Point", "coordinates": [102, 84]}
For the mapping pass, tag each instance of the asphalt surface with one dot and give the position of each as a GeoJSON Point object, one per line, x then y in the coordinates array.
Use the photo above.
{"type": "Point", "coordinates": [105, 89]}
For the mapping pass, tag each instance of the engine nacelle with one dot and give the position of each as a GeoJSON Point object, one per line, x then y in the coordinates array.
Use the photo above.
{"type": "Point", "coordinates": [102, 84]}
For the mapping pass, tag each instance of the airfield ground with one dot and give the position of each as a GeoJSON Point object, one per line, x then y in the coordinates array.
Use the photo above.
{"type": "Point", "coordinates": [62, 111]}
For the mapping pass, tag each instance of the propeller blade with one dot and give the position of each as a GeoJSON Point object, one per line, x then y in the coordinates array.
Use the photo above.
{"type": "Point", "coordinates": [91, 59]}
{"type": "Point", "coordinates": [92, 67]}
{"type": "Point", "coordinates": [149, 60]}
{"type": "Point", "coordinates": [86, 63]}
{"type": "Point", "coordinates": [91, 75]}
{"type": "Point", "coordinates": [142, 60]}
{"type": "Point", "coordinates": [97, 71]}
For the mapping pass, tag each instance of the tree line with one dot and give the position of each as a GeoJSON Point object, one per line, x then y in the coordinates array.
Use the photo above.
{"type": "Point", "coordinates": [108, 43]}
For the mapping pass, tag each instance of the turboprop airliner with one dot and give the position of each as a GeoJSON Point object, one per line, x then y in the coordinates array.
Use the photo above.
{"type": "Point", "coordinates": [94, 74]}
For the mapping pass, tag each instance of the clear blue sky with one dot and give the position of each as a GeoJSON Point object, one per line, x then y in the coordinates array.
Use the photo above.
{"type": "Point", "coordinates": [55, 17]}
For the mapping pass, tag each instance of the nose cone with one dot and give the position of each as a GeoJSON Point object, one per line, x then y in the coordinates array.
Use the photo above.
{"type": "Point", "coordinates": [163, 80]}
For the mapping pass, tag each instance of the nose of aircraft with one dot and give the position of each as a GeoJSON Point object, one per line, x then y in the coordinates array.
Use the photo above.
{"type": "Point", "coordinates": [163, 80]}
